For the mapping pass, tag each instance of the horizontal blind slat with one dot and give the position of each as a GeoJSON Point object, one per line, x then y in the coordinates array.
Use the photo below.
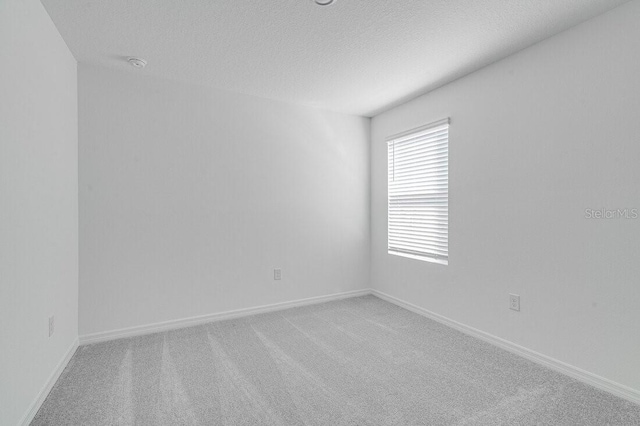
{"type": "Point", "coordinates": [420, 144]}
{"type": "Point", "coordinates": [419, 248]}
{"type": "Point", "coordinates": [418, 242]}
{"type": "Point", "coordinates": [428, 158]}
{"type": "Point", "coordinates": [433, 168]}
{"type": "Point", "coordinates": [430, 237]}
{"type": "Point", "coordinates": [437, 164]}
{"type": "Point", "coordinates": [418, 254]}
{"type": "Point", "coordinates": [433, 227]}
{"type": "Point", "coordinates": [403, 156]}
{"type": "Point", "coordinates": [419, 135]}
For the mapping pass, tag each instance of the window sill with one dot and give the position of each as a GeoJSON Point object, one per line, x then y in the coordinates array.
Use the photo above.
{"type": "Point", "coordinates": [423, 258]}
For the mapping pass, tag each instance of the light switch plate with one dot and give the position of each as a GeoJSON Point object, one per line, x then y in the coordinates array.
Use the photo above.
{"type": "Point", "coordinates": [51, 325]}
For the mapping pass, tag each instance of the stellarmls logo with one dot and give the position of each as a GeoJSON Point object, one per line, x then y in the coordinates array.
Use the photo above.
{"type": "Point", "coordinates": [611, 214]}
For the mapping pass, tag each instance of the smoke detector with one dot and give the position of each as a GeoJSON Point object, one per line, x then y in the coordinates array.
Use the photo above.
{"type": "Point", "coordinates": [137, 62]}
{"type": "Point", "coordinates": [323, 2]}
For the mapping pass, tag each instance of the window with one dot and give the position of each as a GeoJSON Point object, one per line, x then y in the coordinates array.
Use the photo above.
{"type": "Point", "coordinates": [418, 205]}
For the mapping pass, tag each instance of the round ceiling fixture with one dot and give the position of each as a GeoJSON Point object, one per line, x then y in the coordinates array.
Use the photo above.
{"type": "Point", "coordinates": [323, 2]}
{"type": "Point", "coordinates": [137, 62]}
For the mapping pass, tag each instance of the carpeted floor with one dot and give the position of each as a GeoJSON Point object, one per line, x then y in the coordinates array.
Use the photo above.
{"type": "Point", "coordinates": [360, 361]}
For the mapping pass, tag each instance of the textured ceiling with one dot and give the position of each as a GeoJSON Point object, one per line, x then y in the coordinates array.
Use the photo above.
{"type": "Point", "coordinates": [356, 56]}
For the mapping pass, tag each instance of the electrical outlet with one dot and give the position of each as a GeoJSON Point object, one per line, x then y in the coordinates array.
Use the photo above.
{"type": "Point", "coordinates": [514, 302]}
{"type": "Point", "coordinates": [277, 274]}
{"type": "Point", "coordinates": [51, 325]}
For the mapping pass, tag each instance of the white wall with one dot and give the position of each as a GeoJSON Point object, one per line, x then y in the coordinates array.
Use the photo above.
{"type": "Point", "coordinates": [189, 197]}
{"type": "Point", "coordinates": [38, 203]}
{"type": "Point", "coordinates": [535, 140]}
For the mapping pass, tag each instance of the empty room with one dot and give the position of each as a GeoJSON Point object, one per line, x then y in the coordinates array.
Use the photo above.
{"type": "Point", "coordinates": [319, 212]}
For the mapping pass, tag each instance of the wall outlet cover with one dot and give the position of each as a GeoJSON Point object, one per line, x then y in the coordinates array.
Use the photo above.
{"type": "Point", "coordinates": [277, 274]}
{"type": "Point", "coordinates": [514, 302]}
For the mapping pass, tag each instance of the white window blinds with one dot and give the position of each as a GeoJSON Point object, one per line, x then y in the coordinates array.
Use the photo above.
{"type": "Point", "coordinates": [418, 208]}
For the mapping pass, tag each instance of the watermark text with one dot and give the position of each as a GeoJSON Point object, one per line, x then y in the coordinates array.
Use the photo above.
{"type": "Point", "coordinates": [611, 213]}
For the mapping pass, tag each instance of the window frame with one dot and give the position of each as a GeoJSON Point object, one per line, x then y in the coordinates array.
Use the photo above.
{"type": "Point", "coordinates": [440, 196]}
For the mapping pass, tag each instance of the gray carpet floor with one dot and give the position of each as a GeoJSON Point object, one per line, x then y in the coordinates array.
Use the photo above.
{"type": "Point", "coordinates": [360, 361]}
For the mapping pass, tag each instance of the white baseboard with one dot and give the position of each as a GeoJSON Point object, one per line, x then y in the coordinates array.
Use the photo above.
{"type": "Point", "coordinates": [203, 319]}
{"type": "Point", "coordinates": [42, 395]}
{"type": "Point", "coordinates": [579, 374]}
